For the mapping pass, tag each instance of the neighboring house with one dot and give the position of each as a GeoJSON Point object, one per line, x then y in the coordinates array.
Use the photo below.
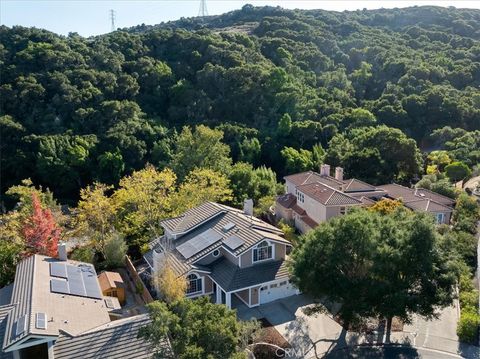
{"type": "Point", "coordinates": [111, 284]}
{"type": "Point", "coordinates": [55, 309]}
{"type": "Point", "coordinates": [422, 200]}
{"type": "Point", "coordinates": [312, 198]}
{"type": "Point", "coordinates": [222, 251]}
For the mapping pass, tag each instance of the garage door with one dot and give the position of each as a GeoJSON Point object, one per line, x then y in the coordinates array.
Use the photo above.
{"type": "Point", "coordinates": [277, 290]}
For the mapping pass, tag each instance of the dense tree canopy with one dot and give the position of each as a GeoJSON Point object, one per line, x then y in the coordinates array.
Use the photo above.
{"type": "Point", "coordinates": [266, 81]}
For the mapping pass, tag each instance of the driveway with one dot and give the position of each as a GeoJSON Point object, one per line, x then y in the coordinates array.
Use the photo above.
{"type": "Point", "coordinates": [319, 336]}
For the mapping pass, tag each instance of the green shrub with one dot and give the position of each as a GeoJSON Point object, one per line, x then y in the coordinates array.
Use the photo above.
{"type": "Point", "coordinates": [469, 299]}
{"type": "Point", "coordinates": [467, 328]}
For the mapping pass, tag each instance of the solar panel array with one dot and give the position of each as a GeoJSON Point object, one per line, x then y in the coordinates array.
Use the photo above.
{"type": "Point", "coordinates": [199, 243]}
{"type": "Point", "coordinates": [74, 280]}
{"type": "Point", "coordinates": [233, 242]}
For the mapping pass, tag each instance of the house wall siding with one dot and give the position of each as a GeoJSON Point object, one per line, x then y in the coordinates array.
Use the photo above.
{"type": "Point", "coordinates": [290, 187]}
{"type": "Point", "coordinates": [254, 295]}
{"type": "Point", "coordinates": [283, 213]}
{"type": "Point", "coordinates": [280, 251]}
{"type": "Point", "coordinates": [314, 209]}
{"type": "Point", "coordinates": [332, 212]}
{"type": "Point", "coordinates": [208, 284]}
{"type": "Point", "coordinates": [246, 259]}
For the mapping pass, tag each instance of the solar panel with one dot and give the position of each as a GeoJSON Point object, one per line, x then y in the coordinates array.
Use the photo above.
{"type": "Point", "coordinates": [21, 325]}
{"type": "Point", "coordinates": [90, 282]}
{"type": "Point", "coordinates": [41, 321]}
{"type": "Point", "coordinates": [75, 281]}
{"type": "Point", "coordinates": [59, 286]}
{"type": "Point", "coordinates": [58, 270]}
{"type": "Point", "coordinates": [228, 226]}
{"type": "Point", "coordinates": [233, 242]}
{"type": "Point", "coordinates": [199, 243]}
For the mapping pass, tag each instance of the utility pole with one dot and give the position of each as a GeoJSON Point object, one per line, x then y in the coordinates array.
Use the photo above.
{"type": "Point", "coordinates": [112, 19]}
{"type": "Point", "coordinates": [203, 9]}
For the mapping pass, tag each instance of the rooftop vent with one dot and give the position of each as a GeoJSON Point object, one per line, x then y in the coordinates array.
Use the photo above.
{"type": "Point", "coordinates": [228, 226]}
{"type": "Point", "coordinates": [41, 321]}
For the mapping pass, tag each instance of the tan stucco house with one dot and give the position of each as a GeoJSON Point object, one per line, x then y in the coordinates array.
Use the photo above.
{"type": "Point", "coordinates": [311, 198]}
{"type": "Point", "coordinates": [225, 253]}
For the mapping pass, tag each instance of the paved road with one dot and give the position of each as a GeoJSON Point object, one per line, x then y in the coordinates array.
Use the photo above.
{"type": "Point", "coordinates": [320, 336]}
{"type": "Point", "coordinates": [391, 353]}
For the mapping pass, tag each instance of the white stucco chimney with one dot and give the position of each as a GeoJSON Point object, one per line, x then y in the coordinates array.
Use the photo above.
{"type": "Point", "coordinates": [62, 251]}
{"type": "Point", "coordinates": [339, 173]}
{"type": "Point", "coordinates": [325, 170]}
{"type": "Point", "coordinates": [248, 207]}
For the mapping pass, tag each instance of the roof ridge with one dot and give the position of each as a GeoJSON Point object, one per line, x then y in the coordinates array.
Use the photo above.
{"type": "Point", "coordinates": [436, 193]}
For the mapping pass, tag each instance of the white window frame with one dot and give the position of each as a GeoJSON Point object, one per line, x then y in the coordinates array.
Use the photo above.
{"type": "Point", "coordinates": [440, 217]}
{"type": "Point", "coordinates": [259, 245]}
{"type": "Point", "coordinates": [197, 279]}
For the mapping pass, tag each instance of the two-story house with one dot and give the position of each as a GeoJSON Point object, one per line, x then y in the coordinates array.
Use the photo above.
{"type": "Point", "coordinates": [312, 198]}
{"type": "Point", "coordinates": [223, 251]}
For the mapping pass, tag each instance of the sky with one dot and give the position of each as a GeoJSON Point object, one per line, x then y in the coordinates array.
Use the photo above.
{"type": "Point", "coordinates": [92, 17]}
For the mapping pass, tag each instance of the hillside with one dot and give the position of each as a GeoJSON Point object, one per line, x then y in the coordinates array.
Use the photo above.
{"type": "Point", "coordinates": [77, 110]}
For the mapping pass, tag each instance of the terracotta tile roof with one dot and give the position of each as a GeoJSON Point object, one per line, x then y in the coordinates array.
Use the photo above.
{"type": "Point", "coordinates": [437, 197]}
{"type": "Point", "coordinates": [355, 185]}
{"type": "Point", "coordinates": [367, 201]}
{"type": "Point", "coordinates": [287, 200]}
{"type": "Point", "coordinates": [309, 221]}
{"type": "Point", "coordinates": [428, 205]}
{"type": "Point", "coordinates": [327, 195]}
{"type": "Point", "coordinates": [313, 177]}
{"type": "Point", "coordinates": [419, 199]}
{"type": "Point", "coordinates": [297, 209]}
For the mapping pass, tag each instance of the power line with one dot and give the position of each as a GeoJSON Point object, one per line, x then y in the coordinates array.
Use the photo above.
{"type": "Point", "coordinates": [112, 19]}
{"type": "Point", "coordinates": [203, 8]}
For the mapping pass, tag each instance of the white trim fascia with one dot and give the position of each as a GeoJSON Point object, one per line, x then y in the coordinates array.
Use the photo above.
{"type": "Point", "coordinates": [41, 340]}
{"type": "Point", "coordinates": [267, 259]}
{"type": "Point", "coordinates": [248, 305]}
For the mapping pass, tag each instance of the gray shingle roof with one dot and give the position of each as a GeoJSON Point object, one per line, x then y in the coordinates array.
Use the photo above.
{"type": "Point", "coordinates": [115, 340]}
{"type": "Point", "coordinates": [193, 217]}
{"type": "Point", "coordinates": [231, 277]}
{"type": "Point", "coordinates": [249, 229]}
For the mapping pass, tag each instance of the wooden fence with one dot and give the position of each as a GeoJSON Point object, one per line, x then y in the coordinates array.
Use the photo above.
{"type": "Point", "coordinates": [132, 273]}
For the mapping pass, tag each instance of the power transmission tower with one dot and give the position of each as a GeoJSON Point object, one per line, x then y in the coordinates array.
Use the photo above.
{"type": "Point", "coordinates": [203, 9]}
{"type": "Point", "coordinates": [112, 19]}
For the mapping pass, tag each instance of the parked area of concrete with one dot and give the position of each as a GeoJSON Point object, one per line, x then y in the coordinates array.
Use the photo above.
{"type": "Point", "coordinates": [320, 336]}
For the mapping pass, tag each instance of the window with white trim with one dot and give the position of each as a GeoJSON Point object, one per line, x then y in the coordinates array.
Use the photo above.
{"type": "Point", "coordinates": [440, 218]}
{"type": "Point", "coordinates": [262, 252]}
{"type": "Point", "coordinates": [300, 196]}
{"type": "Point", "coordinates": [194, 283]}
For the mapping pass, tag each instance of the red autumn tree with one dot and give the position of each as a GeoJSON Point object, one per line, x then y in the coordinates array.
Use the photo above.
{"type": "Point", "coordinates": [40, 230]}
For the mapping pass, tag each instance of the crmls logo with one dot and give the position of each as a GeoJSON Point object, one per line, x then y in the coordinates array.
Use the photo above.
{"type": "Point", "coordinates": [289, 353]}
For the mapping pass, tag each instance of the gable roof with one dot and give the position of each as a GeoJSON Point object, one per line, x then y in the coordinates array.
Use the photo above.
{"type": "Point", "coordinates": [114, 340]}
{"type": "Point", "coordinates": [397, 191]}
{"type": "Point", "coordinates": [223, 222]}
{"type": "Point", "coordinates": [437, 197]}
{"type": "Point", "coordinates": [428, 205]}
{"type": "Point", "coordinates": [32, 294]}
{"type": "Point", "coordinates": [231, 277]}
{"type": "Point", "coordinates": [327, 195]}
{"type": "Point", "coordinates": [109, 280]}
{"type": "Point", "coordinates": [192, 217]}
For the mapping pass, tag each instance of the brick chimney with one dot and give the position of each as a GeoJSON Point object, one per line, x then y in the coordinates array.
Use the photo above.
{"type": "Point", "coordinates": [325, 170]}
{"type": "Point", "coordinates": [62, 251]}
{"type": "Point", "coordinates": [339, 173]}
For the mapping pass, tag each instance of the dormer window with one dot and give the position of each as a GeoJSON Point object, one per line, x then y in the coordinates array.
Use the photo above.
{"type": "Point", "coordinates": [262, 252]}
{"type": "Point", "coordinates": [194, 283]}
